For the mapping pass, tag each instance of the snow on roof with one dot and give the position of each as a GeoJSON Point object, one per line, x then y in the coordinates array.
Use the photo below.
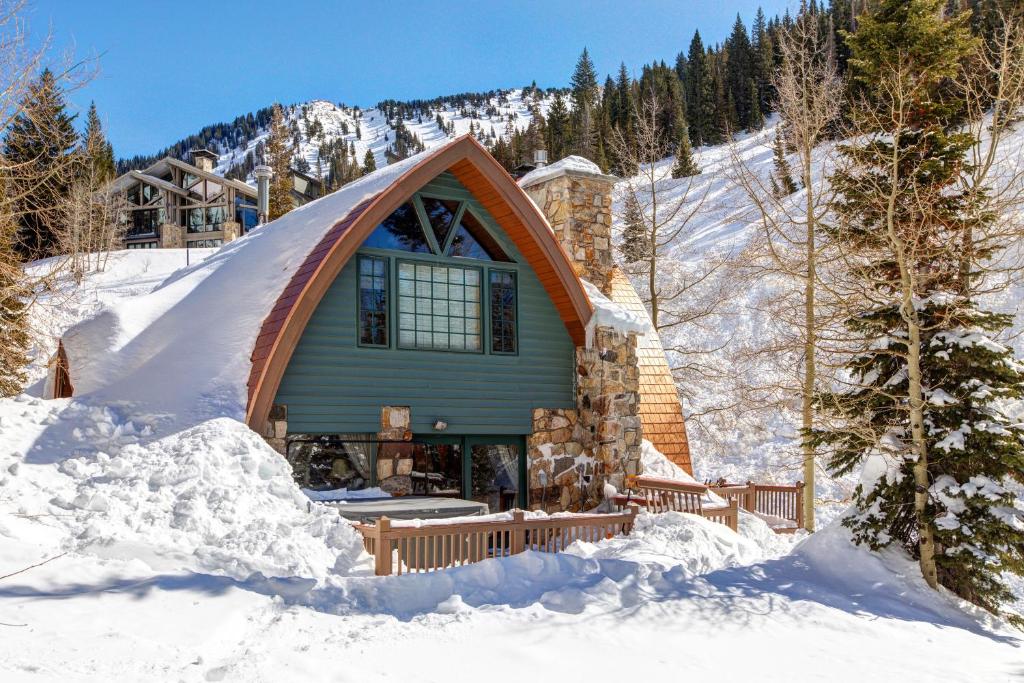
{"type": "Point", "coordinates": [570, 164]}
{"type": "Point", "coordinates": [183, 349]}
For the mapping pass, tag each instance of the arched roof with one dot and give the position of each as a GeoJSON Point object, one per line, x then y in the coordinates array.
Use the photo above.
{"type": "Point", "coordinates": [489, 183]}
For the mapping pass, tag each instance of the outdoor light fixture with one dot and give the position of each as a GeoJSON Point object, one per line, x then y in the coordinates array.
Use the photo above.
{"type": "Point", "coordinates": [440, 425]}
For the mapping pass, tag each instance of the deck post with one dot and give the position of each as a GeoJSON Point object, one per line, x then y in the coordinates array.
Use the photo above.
{"type": "Point", "coordinates": [518, 533]}
{"type": "Point", "coordinates": [750, 500]}
{"type": "Point", "coordinates": [382, 560]}
{"type": "Point", "coordinates": [800, 505]}
{"type": "Point", "coordinates": [734, 515]}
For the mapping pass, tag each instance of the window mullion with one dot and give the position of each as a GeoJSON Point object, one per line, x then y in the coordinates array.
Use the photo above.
{"type": "Point", "coordinates": [428, 231]}
{"type": "Point", "coordinates": [456, 220]}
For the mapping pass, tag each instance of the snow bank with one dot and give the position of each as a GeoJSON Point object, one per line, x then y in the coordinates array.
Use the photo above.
{"type": "Point", "coordinates": [656, 464]}
{"type": "Point", "coordinates": [675, 539]}
{"type": "Point", "coordinates": [214, 498]}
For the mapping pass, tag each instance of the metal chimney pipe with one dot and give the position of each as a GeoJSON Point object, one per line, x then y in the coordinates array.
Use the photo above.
{"type": "Point", "coordinates": [262, 174]}
{"type": "Point", "coordinates": [540, 158]}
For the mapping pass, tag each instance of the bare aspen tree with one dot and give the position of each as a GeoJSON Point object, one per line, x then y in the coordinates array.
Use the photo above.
{"type": "Point", "coordinates": [809, 101]}
{"type": "Point", "coordinates": [658, 214]}
{"type": "Point", "coordinates": [658, 211]}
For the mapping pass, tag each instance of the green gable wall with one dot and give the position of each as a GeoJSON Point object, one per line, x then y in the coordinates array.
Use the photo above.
{"type": "Point", "coordinates": [332, 385]}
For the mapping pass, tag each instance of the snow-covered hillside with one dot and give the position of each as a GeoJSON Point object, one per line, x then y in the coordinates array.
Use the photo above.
{"type": "Point", "coordinates": [371, 129]}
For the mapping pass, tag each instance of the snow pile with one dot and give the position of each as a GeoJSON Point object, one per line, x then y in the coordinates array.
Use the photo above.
{"type": "Point", "coordinates": [342, 495]}
{"type": "Point", "coordinates": [607, 313]}
{"type": "Point", "coordinates": [213, 498]}
{"type": "Point", "coordinates": [655, 464]}
{"type": "Point", "coordinates": [675, 539]}
{"type": "Point", "coordinates": [574, 164]}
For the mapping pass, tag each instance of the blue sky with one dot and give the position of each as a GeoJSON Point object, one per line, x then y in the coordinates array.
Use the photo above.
{"type": "Point", "coordinates": [168, 68]}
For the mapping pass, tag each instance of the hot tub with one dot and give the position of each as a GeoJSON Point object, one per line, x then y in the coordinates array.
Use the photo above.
{"type": "Point", "coordinates": [407, 507]}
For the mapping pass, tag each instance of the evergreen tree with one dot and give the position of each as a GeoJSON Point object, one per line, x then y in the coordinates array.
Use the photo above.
{"type": "Point", "coordinates": [782, 175]}
{"type": "Point", "coordinates": [40, 145]}
{"type": "Point", "coordinates": [584, 102]}
{"type": "Point", "coordinates": [738, 73]}
{"type": "Point", "coordinates": [558, 129]}
{"type": "Point", "coordinates": [369, 162]}
{"type": "Point", "coordinates": [14, 338]}
{"type": "Point", "coordinates": [684, 166]}
{"type": "Point", "coordinates": [98, 151]}
{"type": "Point", "coordinates": [699, 94]}
{"type": "Point", "coordinates": [279, 156]}
{"type": "Point", "coordinates": [636, 244]}
{"type": "Point", "coordinates": [928, 386]}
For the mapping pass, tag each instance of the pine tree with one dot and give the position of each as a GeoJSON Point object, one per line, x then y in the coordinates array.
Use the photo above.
{"type": "Point", "coordinates": [584, 102]}
{"type": "Point", "coordinates": [279, 156]}
{"type": "Point", "coordinates": [14, 338]}
{"type": "Point", "coordinates": [684, 166]}
{"type": "Point", "coordinates": [636, 244]}
{"type": "Point", "coordinates": [558, 129]}
{"type": "Point", "coordinates": [782, 175]}
{"type": "Point", "coordinates": [698, 94]}
{"type": "Point", "coordinates": [98, 151]}
{"type": "Point", "coordinates": [738, 73]}
{"type": "Point", "coordinates": [928, 385]}
{"type": "Point", "coordinates": [40, 145]}
{"type": "Point", "coordinates": [369, 162]}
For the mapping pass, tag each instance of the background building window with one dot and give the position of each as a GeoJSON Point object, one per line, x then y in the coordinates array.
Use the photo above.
{"type": "Point", "coordinates": [503, 311]}
{"type": "Point", "coordinates": [373, 301]}
{"type": "Point", "coordinates": [204, 244]}
{"type": "Point", "coordinates": [438, 307]}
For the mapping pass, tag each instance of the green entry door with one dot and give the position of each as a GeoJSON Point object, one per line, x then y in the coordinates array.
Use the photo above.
{"type": "Point", "coordinates": [495, 471]}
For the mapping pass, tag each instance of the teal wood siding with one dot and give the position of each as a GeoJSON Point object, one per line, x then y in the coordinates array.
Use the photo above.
{"type": "Point", "coordinates": [332, 385]}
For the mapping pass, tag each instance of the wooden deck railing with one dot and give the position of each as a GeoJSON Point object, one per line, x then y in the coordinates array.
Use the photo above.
{"type": "Point", "coordinates": [784, 502]}
{"type": "Point", "coordinates": [410, 549]}
{"type": "Point", "coordinates": [664, 495]}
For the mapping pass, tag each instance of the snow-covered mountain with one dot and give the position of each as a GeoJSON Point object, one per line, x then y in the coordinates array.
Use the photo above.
{"type": "Point", "coordinates": [320, 122]}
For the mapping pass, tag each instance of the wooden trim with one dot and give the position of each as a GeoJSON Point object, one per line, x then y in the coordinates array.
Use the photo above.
{"type": "Point", "coordinates": [466, 159]}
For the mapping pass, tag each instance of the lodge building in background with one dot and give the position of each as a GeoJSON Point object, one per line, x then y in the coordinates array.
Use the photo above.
{"type": "Point", "coordinates": [173, 204]}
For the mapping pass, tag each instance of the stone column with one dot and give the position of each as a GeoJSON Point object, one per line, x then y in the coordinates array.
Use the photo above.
{"type": "Point", "coordinates": [231, 231]}
{"type": "Point", "coordinates": [172, 236]}
{"type": "Point", "coordinates": [394, 461]}
{"type": "Point", "coordinates": [576, 198]}
{"type": "Point", "coordinates": [608, 396]}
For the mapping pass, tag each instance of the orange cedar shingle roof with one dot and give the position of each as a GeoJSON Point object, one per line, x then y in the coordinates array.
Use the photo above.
{"type": "Point", "coordinates": [660, 411]}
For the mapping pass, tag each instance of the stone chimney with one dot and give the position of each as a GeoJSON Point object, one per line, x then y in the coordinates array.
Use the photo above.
{"type": "Point", "coordinates": [576, 198]}
{"type": "Point", "coordinates": [204, 160]}
{"type": "Point", "coordinates": [572, 454]}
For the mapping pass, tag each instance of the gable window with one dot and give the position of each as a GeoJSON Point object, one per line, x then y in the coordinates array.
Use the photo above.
{"type": "Point", "coordinates": [440, 214]}
{"type": "Point", "coordinates": [438, 307]}
{"type": "Point", "coordinates": [400, 231]}
{"type": "Point", "coordinates": [373, 301]}
{"type": "Point", "coordinates": [471, 240]}
{"type": "Point", "coordinates": [503, 311]}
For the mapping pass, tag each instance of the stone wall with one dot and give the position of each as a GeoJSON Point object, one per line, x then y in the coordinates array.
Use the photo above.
{"type": "Point", "coordinates": [579, 208]}
{"type": "Point", "coordinates": [560, 462]}
{"type": "Point", "coordinates": [275, 431]}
